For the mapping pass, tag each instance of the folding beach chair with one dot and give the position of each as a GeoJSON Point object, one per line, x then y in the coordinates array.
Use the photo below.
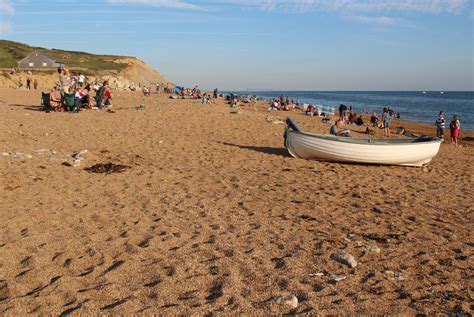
{"type": "Point", "coordinates": [71, 103]}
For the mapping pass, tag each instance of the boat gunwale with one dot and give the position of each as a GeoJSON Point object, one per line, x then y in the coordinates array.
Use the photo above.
{"type": "Point", "coordinates": [368, 141]}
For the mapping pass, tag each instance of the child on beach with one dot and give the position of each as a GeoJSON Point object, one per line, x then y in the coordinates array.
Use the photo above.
{"type": "Point", "coordinates": [440, 125]}
{"type": "Point", "coordinates": [455, 126]}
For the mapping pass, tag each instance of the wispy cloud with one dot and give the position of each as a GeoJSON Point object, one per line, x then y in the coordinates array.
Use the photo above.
{"type": "Point", "coordinates": [5, 27]}
{"type": "Point", "coordinates": [170, 4]}
{"type": "Point", "coordinates": [6, 7]}
{"type": "Point", "coordinates": [344, 6]}
{"type": "Point", "coordinates": [378, 20]}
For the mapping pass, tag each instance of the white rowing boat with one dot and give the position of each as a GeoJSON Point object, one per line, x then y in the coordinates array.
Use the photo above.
{"type": "Point", "coordinates": [407, 152]}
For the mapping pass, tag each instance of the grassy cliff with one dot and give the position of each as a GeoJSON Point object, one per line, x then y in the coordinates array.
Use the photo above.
{"type": "Point", "coordinates": [121, 69]}
{"type": "Point", "coordinates": [12, 52]}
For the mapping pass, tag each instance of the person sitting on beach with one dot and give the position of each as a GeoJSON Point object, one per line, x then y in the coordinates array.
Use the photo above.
{"type": "Point", "coordinates": [108, 96]}
{"type": "Point", "coordinates": [337, 129]}
{"type": "Point", "coordinates": [87, 92]}
{"type": "Point", "coordinates": [286, 106]}
{"type": "Point", "coordinates": [310, 110]}
{"type": "Point", "coordinates": [205, 98]}
{"type": "Point", "coordinates": [374, 119]}
{"type": "Point", "coordinates": [360, 121]}
{"type": "Point", "coordinates": [55, 101]}
{"type": "Point", "coordinates": [146, 92]}
{"type": "Point", "coordinates": [275, 105]}
{"type": "Point", "coordinates": [234, 106]}
{"type": "Point", "coordinates": [405, 132]}
{"type": "Point", "coordinates": [82, 96]}
{"type": "Point", "coordinates": [353, 118]}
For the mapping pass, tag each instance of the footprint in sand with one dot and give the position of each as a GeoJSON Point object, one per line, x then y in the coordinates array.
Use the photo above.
{"type": "Point", "coordinates": [26, 261]}
{"type": "Point", "coordinates": [115, 304]}
{"type": "Point", "coordinates": [113, 267]}
{"type": "Point", "coordinates": [170, 270]}
{"type": "Point", "coordinates": [154, 281]}
{"type": "Point", "coordinates": [145, 242]}
{"type": "Point", "coordinates": [4, 290]}
{"type": "Point", "coordinates": [216, 291]}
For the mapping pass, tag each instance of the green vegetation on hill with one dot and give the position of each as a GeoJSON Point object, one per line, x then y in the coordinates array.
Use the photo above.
{"type": "Point", "coordinates": [12, 52]}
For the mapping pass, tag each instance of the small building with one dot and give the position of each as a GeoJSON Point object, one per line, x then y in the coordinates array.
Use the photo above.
{"type": "Point", "coordinates": [39, 60]}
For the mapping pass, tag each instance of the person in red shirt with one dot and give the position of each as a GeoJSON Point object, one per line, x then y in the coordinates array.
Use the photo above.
{"type": "Point", "coordinates": [108, 97]}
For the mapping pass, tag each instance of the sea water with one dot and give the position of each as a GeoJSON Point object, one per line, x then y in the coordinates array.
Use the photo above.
{"type": "Point", "coordinates": [415, 106]}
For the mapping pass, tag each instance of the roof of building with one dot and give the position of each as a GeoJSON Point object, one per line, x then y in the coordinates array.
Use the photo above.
{"type": "Point", "coordinates": [41, 54]}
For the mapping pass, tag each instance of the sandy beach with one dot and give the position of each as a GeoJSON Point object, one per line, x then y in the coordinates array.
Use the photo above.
{"type": "Point", "coordinates": [210, 216]}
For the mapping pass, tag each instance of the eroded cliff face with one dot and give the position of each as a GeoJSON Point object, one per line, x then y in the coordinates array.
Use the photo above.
{"type": "Point", "coordinates": [137, 73]}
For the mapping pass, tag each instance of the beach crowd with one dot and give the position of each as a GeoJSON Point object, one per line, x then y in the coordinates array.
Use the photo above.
{"type": "Point", "coordinates": [74, 92]}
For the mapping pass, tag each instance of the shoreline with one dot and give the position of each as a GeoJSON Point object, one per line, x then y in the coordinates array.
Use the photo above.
{"type": "Point", "coordinates": [357, 107]}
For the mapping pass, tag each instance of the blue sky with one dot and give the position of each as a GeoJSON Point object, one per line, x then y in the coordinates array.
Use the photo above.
{"type": "Point", "coordinates": [266, 44]}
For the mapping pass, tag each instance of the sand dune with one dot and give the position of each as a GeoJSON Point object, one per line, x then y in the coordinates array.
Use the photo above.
{"type": "Point", "coordinates": [213, 217]}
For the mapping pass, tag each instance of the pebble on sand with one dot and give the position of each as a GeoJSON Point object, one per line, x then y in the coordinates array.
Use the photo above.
{"type": "Point", "coordinates": [373, 248]}
{"type": "Point", "coordinates": [78, 157]}
{"type": "Point", "coordinates": [336, 278]}
{"type": "Point", "coordinates": [345, 258]}
{"type": "Point", "coordinates": [290, 300]}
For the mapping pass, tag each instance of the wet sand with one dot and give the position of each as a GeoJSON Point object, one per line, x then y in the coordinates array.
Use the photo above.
{"type": "Point", "coordinates": [213, 216]}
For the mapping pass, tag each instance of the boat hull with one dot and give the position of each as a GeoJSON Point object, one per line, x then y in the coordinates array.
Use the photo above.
{"type": "Point", "coordinates": [404, 152]}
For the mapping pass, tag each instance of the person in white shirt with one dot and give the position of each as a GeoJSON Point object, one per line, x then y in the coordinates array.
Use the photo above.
{"type": "Point", "coordinates": [81, 80]}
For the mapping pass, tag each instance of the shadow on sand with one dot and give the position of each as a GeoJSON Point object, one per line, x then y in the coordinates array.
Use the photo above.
{"type": "Point", "coordinates": [261, 149]}
{"type": "Point", "coordinates": [29, 107]}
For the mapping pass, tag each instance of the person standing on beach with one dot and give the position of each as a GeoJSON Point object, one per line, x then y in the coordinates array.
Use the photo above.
{"type": "Point", "coordinates": [455, 126]}
{"type": "Point", "coordinates": [100, 95]}
{"type": "Point", "coordinates": [440, 125]}
{"type": "Point", "coordinates": [20, 83]}
{"type": "Point", "coordinates": [64, 79]}
{"type": "Point", "coordinates": [35, 84]}
{"type": "Point", "coordinates": [28, 83]}
{"type": "Point", "coordinates": [342, 112]}
{"type": "Point", "coordinates": [387, 121]}
{"type": "Point", "coordinates": [80, 80]}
